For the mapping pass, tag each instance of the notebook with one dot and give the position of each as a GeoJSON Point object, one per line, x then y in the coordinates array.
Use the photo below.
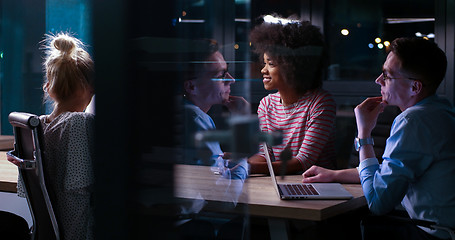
{"type": "Point", "coordinates": [304, 190]}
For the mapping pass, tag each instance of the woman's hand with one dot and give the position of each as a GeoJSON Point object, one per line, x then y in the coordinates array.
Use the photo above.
{"type": "Point", "coordinates": [318, 174]}
{"type": "Point", "coordinates": [227, 155]}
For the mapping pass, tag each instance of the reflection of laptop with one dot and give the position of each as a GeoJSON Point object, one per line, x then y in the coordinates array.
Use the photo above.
{"type": "Point", "coordinates": [305, 190]}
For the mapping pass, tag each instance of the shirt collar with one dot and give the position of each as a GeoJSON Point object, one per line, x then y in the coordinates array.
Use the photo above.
{"type": "Point", "coordinates": [430, 98]}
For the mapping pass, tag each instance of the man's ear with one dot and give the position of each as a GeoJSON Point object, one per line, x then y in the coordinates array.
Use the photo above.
{"type": "Point", "coordinates": [417, 87]}
{"type": "Point", "coordinates": [189, 86]}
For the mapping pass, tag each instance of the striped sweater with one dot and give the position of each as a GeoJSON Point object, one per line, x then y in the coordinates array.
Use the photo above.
{"type": "Point", "coordinates": [308, 127]}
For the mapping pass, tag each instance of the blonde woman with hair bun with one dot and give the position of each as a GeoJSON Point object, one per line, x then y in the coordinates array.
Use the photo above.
{"type": "Point", "coordinates": [69, 133]}
{"type": "Point", "coordinates": [69, 74]}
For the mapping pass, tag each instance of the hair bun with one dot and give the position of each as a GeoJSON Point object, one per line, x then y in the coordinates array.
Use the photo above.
{"type": "Point", "coordinates": [64, 44]}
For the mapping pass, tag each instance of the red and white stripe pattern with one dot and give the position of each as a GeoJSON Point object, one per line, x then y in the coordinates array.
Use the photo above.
{"type": "Point", "coordinates": [308, 127]}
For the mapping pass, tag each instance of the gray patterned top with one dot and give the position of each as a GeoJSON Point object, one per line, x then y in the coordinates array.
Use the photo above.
{"type": "Point", "coordinates": [69, 153]}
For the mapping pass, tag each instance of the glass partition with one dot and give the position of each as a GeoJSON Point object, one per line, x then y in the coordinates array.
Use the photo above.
{"type": "Point", "coordinates": [214, 71]}
{"type": "Point", "coordinates": [358, 33]}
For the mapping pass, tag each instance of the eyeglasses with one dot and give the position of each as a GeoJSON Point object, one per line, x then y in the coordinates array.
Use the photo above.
{"type": "Point", "coordinates": [386, 77]}
{"type": "Point", "coordinates": [225, 76]}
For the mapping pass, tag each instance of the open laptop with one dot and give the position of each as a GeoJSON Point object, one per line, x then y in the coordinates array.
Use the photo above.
{"type": "Point", "coordinates": [304, 190]}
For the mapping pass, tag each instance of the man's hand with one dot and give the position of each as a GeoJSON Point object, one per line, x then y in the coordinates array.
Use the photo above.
{"type": "Point", "coordinates": [237, 105]}
{"type": "Point", "coordinates": [366, 115]}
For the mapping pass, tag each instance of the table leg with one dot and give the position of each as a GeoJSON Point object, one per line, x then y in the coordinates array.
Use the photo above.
{"type": "Point", "coordinates": [278, 228]}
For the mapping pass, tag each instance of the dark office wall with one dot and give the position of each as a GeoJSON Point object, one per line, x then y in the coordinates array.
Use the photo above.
{"type": "Point", "coordinates": [22, 27]}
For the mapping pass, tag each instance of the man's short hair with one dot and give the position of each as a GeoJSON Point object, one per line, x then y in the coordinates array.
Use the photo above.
{"type": "Point", "coordinates": [196, 56]}
{"type": "Point", "coordinates": [421, 59]}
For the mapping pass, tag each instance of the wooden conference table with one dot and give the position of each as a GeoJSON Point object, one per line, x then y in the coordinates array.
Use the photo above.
{"type": "Point", "coordinates": [256, 194]}
{"type": "Point", "coordinates": [260, 197]}
{"type": "Point", "coordinates": [8, 171]}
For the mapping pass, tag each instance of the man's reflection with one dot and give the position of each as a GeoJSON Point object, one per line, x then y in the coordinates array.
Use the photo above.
{"type": "Point", "coordinates": [207, 82]}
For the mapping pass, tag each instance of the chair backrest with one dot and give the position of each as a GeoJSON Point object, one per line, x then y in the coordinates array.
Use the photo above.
{"type": "Point", "coordinates": [28, 156]}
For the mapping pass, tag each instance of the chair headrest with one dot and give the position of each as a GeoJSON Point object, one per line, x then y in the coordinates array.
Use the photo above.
{"type": "Point", "coordinates": [22, 119]}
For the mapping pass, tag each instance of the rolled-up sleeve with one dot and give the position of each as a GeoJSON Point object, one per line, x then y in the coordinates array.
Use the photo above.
{"type": "Point", "coordinates": [404, 159]}
{"type": "Point", "coordinates": [367, 169]}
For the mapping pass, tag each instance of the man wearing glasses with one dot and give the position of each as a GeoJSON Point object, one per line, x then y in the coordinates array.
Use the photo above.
{"type": "Point", "coordinates": [207, 82]}
{"type": "Point", "coordinates": [418, 167]}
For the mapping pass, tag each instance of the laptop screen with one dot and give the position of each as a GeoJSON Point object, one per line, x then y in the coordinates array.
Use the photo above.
{"type": "Point", "coordinates": [267, 150]}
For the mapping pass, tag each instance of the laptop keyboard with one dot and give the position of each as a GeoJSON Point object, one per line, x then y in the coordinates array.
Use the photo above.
{"type": "Point", "coordinates": [300, 189]}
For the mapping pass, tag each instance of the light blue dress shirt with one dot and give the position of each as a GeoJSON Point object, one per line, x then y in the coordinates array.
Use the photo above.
{"type": "Point", "coordinates": [418, 167]}
{"type": "Point", "coordinates": [197, 120]}
{"type": "Point", "coordinates": [210, 153]}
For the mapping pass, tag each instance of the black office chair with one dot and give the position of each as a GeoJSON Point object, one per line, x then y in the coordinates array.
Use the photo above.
{"type": "Point", "coordinates": [28, 157]}
{"type": "Point", "coordinates": [388, 225]}
{"type": "Point", "coordinates": [13, 227]}
{"type": "Point", "coordinates": [433, 226]}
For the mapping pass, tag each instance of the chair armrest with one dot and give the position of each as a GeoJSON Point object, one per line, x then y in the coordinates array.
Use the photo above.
{"type": "Point", "coordinates": [450, 231]}
{"type": "Point", "coordinates": [19, 162]}
{"type": "Point", "coordinates": [433, 225]}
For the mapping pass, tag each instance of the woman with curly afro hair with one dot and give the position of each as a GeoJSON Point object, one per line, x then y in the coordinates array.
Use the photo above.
{"type": "Point", "coordinates": [294, 56]}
